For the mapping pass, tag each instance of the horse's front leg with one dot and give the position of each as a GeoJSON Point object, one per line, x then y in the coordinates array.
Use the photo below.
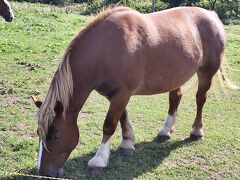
{"type": "Point", "coordinates": [118, 103]}
{"type": "Point", "coordinates": [127, 145]}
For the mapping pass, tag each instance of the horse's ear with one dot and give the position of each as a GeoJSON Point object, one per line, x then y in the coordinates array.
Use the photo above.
{"type": "Point", "coordinates": [36, 102]}
{"type": "Point", "coordinates": [58, 108]}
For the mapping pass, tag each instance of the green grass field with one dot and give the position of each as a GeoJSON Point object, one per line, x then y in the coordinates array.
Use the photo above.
{"type": "Point", "coordinates": [30, 51]}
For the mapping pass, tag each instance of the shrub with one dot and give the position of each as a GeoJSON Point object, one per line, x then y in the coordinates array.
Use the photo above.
{"type": "Point", "coordinates": [226, 9]}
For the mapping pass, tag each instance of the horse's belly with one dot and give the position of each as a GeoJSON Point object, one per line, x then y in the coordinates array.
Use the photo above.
{"type": "Point", "coordinates": [165, 79]}
{"type": "Point", "coordinates": [160, 85]}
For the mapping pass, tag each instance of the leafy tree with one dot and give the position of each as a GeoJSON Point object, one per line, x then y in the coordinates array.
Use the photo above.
{"type": "Point", "coordinates": [226, 9]}
{"type": "Point", "coordinates": [176, 3]}
{"type": "Point", "coordinates": [212, 3]}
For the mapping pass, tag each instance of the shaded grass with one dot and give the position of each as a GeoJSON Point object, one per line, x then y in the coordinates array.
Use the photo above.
{"type": "Point", "coordinates": [31, 48]}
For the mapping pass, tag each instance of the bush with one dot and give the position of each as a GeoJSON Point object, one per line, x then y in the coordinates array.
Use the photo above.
{"type": "Point", "coordinates": [52, 2]}
{"type": "Point", "coordinates": [144, 6]}
{"type": "Point", "coordinates": [226, 9]}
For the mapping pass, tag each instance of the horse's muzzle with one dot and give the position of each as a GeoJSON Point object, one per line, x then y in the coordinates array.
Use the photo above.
{"type": "Point", "coordinates": [9, 19]}
{"type": "Point", "coordinates": [52, 173]}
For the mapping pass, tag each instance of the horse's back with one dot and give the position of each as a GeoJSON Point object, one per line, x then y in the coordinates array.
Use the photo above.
{"type": "Point", "coordinates": [190, 21]}
{"type": "Point", "coordinates": [157, 52]}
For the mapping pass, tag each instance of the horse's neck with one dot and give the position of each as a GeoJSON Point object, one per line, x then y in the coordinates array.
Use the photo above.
{"type": "Point", "coordinates": [77, 101]}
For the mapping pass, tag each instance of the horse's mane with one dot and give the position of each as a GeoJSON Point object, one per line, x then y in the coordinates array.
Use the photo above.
{"type": "Point", "coordinates": [61, 87]}
{"type": "Point", "coordinates": [104, 13]}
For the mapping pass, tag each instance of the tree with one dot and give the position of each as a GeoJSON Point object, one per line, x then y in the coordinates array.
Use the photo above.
{"type": "Point", "coordinates": [212, 3]}
{"type": "Point", "coordinates": [153, 5]}
{"type": "Point", "coordinates": [176, 3]}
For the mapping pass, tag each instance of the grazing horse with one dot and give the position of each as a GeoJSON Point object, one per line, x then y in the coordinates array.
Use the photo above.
{"type": "Point", "coordinates": [122, 53]}
{"type": "Point", "coordinates": [6, 11]}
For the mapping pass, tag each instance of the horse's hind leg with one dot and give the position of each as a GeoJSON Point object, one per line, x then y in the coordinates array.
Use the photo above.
{"type": "Point", "coordinates": [127, 145]}
{"type": "Point", "coordinates": [174, 100]}
{"type": "Point", "coordinates": [205, 79]}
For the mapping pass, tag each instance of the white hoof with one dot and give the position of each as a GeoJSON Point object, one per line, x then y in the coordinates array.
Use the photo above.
{"type": "Point", "coordinates": [197, 131]}
{"type": "Point", "coordinates": [164, 132]}
{"type": "Point", "coordinates": [98, 161]}
{"type": "Point", "coordinates": [102, 156]}
{"type": "Point", "coordinates": [168, 126]}
{"type": "Point", "coordinates": [127, 144]}
{"type": "Point", "coordinates": [172, 129]}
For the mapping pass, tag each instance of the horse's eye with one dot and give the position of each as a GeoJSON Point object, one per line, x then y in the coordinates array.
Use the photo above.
{"type": "Point", "coordinates": [56, 136]}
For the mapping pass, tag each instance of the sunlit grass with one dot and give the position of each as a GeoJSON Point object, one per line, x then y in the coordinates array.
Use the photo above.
{"type": "Point", "coordinates": [31, 48]}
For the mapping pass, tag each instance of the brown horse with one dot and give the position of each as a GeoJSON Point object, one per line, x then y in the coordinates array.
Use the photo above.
{"type": "Point", "coordinates": [122, 53]}
{"type": "Point", "coordinates": [6, 11]}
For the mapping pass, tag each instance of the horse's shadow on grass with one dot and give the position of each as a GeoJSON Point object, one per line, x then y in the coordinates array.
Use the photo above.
{"type": "Point", "coordinates": [147, 157]}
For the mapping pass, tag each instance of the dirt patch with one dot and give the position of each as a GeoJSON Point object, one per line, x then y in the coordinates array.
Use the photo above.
{"type": "Point", "coordinates": [185, 161]}
{"type": "Point", "coordinates": [22, 130]}
{"type": "Point", "coordinates": [84, 114]}
{"type": "Point", "coordinates": [9, 100]}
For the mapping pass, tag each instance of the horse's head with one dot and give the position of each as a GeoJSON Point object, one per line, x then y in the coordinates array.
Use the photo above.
{"type": "Point", "coordinates": [57, 144]}
{"type": "Point", "coordinates": [6, 11]}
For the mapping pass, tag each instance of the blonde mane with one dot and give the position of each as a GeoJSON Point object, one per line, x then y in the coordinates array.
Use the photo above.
{"type": "Point", "coordinates": [104, 13]}
{"type": "Point", "coordinates": [61, 87]}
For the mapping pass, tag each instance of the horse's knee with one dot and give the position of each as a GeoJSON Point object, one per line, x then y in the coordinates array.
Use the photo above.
{"type": "Point", "coordinates": [109, 127]}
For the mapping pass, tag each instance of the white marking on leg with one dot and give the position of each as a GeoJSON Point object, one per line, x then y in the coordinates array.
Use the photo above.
{"type": "Point", "coordinates": [127, 144]}
{"type": "Point", "coordinates": [168, 125]}
{"type": "Point", "coordinates": [102, 156]}
{"type": "Point", "coordinates": [40, 154]}
{"type": "Point", "coordinates": [197, 131]}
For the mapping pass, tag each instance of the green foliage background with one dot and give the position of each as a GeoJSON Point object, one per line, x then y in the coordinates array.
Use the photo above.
{"type": "Point", "coordinates": [226, 9]}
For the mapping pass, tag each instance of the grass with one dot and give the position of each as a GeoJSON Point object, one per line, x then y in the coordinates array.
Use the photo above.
{"type": "Point", "coordinates": [31, 48]}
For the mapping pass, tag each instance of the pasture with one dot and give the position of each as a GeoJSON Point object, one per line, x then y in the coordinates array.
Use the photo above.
{"type": "Point", "coordinates": [30, 51]}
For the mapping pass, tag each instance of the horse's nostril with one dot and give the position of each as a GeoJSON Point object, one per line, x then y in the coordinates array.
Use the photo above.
{"type": "Point", "coordinates": [9, 19]}
{"type": "Point", "coordinates": [51, 174]}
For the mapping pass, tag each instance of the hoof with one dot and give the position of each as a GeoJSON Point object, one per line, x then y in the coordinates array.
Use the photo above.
{"type": "Point", "coordinates": [126, 152]}
{"type": "Point", "coordinates": [94, 170]}
{"type": "Point", "coordinates": [161, 139]}
{"type": "Point", "coordinates": [195, 138]}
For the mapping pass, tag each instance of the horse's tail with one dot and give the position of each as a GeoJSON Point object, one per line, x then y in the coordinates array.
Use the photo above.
{"type": "Point", "coordinates": [223, 79]}
{"type": "Point", "coordinates": [191, 84]}
{"type": "Point", "coordinates": [222, 76]}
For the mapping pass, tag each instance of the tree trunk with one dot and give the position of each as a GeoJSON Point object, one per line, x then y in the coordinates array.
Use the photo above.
{"type": "Point", "coordinates": [153, 5]}
{"type": "Point", "coordinates": [212, 3]}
